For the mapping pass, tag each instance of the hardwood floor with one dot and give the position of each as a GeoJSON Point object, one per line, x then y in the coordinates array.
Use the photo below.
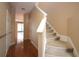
{"type": "Point", "coordinates": [25, 49]}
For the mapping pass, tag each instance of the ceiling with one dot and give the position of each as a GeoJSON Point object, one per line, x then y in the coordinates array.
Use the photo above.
{"type": "Point", "coordinates": [23, 7]}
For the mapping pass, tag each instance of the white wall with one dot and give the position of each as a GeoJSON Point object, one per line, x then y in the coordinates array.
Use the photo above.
{"type": "Point", "coordinates": [73, 30]}
{"type": "Point", "coordinates": [5, 28]}
{"type": "Point", "coordinates": [26, 26]}
{"type": "Point", "coordinates": [8, 30]}
{"type": "Point", "coordinates": [35, 18]}
{"type": "Point", "coordinates": [58, 14]}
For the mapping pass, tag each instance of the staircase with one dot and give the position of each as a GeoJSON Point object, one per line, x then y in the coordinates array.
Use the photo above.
{"type": "Point", "coordinates": [57, 45]}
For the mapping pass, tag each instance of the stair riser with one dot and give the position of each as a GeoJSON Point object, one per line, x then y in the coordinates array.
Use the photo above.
{"type": "Point", "coordinates": [59, 47]}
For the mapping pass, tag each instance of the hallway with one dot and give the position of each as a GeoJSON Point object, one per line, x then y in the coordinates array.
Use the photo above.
{"type": "Point", "coordinates": [34, 29]}
{"type": "Point", "coordinates": [25, 49]}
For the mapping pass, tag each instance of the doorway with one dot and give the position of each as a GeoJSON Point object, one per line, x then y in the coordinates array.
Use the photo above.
{"type": "Point", "coordinates": [20, 32]}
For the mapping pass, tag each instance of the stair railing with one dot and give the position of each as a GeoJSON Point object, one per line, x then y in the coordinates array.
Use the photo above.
{"type": "Point", "coordinates": [67, 39]}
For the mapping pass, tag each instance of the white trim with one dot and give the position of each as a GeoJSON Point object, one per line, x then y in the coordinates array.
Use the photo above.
{"type": "Point", "coordinates": [43, 21]}
{"type": "Point", "coordinates": [40, 9]}
{"type": "Point", "coordinates": [8, 48]}
{"type": "Point", "coordinates": [42, 25]}
{"type": "Point", "coordinates": [6, 52]}
{"type": "Point", "coordinates": [75, 50]}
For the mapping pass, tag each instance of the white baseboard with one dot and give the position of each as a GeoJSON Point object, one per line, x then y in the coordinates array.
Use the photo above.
{"type": "Point", "coordinates": [8, 48]}
{"type": "Point", "coordinates": [12, 43]}
{"type": "Point", "coordinates": [6, 52]}
{"type": "Point", "coordinates": [34, 44]}
{"type": "Point", "coordinates": [75, 50]}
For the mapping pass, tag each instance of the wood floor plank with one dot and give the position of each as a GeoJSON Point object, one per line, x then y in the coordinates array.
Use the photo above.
{"type": "Point", "coordinates": [25, 49]}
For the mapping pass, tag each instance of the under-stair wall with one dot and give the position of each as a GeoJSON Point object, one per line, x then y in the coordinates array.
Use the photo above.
{"type": "Point", "coordinates": [35, 18]}
{"type": "Point", "coordinates": [37, 29]}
